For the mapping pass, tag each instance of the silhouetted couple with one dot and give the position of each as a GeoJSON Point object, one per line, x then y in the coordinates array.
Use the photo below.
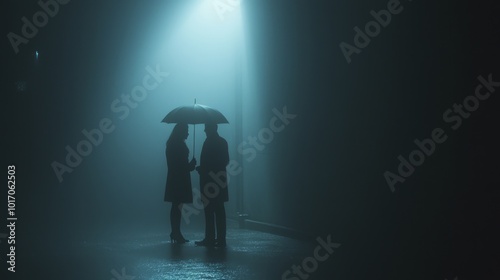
{"type": "Point", "coordinates": [213, 183]}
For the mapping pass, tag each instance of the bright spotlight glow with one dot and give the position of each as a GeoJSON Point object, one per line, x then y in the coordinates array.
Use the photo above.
{"type": "Point", "coordinates": [203, 50]}
{"type": "Point", "coordinates": [210, 28]}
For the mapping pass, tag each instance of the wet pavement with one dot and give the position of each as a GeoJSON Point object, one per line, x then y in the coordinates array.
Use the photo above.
{"type": "Point", "coordinates": [150, 255]}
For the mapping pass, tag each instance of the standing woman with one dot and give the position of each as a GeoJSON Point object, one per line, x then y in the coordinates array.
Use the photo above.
{"type": "Point", "coordinates": [178, 187]}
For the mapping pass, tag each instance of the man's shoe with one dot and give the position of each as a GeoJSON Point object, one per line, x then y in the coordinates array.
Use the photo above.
{"type": "Point", "coordinates": [205, 242]}
{"type": "Point", "coordinates": [220, 243]}
{"type": "Point", "coordinates": [177, 238]}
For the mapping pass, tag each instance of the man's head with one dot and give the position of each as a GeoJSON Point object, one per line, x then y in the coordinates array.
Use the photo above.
{"type": "Point", "coordinates": [210, 129]}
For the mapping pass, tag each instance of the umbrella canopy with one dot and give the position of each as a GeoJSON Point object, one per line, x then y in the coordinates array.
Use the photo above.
{"type": "Point", "coordinates": [195, 114]}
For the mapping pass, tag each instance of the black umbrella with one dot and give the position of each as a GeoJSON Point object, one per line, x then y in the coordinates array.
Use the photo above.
{"type": "Point", "coordinates": [195, 114]}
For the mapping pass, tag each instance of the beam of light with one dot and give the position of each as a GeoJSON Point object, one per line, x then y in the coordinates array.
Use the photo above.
{"type": "Point", "coordinates": [202, 53]}
{"type": "Point", "coordinates": [206, 41]}
{"type": "Point", "coordinates": [203, 50]}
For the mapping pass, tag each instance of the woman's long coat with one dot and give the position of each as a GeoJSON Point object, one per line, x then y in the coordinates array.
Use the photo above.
{"type": "Point", "coordinates": [178, 187]}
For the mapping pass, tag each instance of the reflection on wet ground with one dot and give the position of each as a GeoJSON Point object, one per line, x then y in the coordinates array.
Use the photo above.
{"type": "Point", "coordinates": [150, 255]}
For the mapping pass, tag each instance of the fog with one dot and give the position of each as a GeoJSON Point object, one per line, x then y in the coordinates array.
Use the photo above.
{"type": "Point", "coordinates": [310, 134]}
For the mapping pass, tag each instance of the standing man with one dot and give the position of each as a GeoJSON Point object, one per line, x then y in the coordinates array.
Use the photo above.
{"type": "Point", "coordinates": [213, 183]}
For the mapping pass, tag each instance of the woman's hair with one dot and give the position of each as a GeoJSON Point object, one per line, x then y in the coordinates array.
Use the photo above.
{"type": "Point", "coordinates": [178, 132]}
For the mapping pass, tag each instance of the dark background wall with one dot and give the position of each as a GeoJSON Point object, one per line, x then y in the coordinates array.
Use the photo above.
{"type": "Point", "coordinates": [326, 169]}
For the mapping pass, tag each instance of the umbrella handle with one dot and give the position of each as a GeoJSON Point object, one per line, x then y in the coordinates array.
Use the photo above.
{"type": "Point", "coordinates": [194, 138]}
{"type": "Point", "coordinates": [194, 133]}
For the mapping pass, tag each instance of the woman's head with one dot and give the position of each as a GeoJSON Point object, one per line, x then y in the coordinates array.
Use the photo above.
{"type": "Point", "coordinates": [180, 132]}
